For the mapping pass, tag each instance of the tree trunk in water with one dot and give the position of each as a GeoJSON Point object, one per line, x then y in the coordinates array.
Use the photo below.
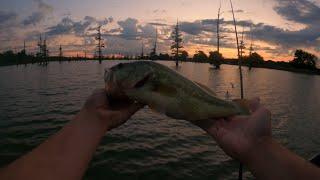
{"type": "Point", "coordinates": [177, 56]}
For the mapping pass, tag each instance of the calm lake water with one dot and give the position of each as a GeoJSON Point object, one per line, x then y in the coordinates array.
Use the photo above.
{"type": "Point", "coordinates": [35, 102]}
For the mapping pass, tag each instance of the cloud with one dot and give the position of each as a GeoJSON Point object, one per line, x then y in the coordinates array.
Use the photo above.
{"type": "Point", "coordinates": [210, 25]}
{"type": "Point", "coordinates": [193, 28]}
{"type": "Point", "coordinates": [210, 21]}
{"type": "Point", "coordinates": [159, 11]}
{"type": "Point", "coordinates": [298, 11]}
{"type": "Point", "coordinates": [129, 28]}
{"type": "Point", "coordinates": [110, 19]}
{"type": "Point", "coordinates": [7, 17]}
{"type": "Point", "coordinates": [301, 11]}
{"type": "Point", "coordinates": [44, 6]}
{"type": "Point", "coordinates": [64, 27]}
{"type": "Point", "coordinates": [243, 23]}
{"type": "Point", "coordinates": [158, 24]}
{"type": "Point", "coordinates": [237, 11]}
{"type": "Point", "coordinates": [80, 28]}
{"type": "Point", "coordinates": [8, 26]}
{"type": "Point", "coordinates": [147, 31]}
{"type": "Point", "coordinates": [39, 15]}
{"type": "Point", "coordinates": [34, 19]}
{"type": "Point", "coordinates": [126, 35]}
{"type": "Point", "coordinates": [308, 37]}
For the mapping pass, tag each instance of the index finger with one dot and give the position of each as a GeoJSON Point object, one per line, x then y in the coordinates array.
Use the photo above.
{"type": "Point", "coordinates": [133, 108]}
{"type": "Point", "coordinates": [254, 104]}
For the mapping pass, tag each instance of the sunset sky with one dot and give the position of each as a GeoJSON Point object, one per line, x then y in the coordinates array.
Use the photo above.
{"type": "Point", "coordinates": [278, 27]}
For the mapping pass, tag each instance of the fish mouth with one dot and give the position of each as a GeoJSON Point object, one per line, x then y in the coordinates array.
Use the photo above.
{"type": "Point", "coordinates": [113, 88]}
{"type": "Point", "coordinates": [107, 75]}
{"type": "Point", "coordinates": [110, 85]}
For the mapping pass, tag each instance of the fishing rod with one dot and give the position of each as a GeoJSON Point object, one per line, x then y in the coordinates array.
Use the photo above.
{"type": "Point", "coordinates": [241, 76]}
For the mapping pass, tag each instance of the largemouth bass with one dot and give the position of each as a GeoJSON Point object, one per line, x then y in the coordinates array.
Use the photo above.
{"type": "Point", "coordinates": [167, 92]}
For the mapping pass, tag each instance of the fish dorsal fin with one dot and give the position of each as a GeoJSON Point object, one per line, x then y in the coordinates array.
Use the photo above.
{"type": "Point", "coordinates": [206, 89]}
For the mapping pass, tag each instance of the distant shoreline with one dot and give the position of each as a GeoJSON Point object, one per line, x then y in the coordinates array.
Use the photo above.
{"type": "Point", "coordinates": [283, 66]}
{"type": "Point", "coordinates": [295, 70]}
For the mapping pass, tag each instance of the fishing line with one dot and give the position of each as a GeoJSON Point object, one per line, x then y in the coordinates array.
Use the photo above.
{"type": "Point", "coordinates": [241, 76]}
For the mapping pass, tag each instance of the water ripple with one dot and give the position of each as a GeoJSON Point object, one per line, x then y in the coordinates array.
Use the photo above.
{"type": "Point", "coordinates": [38, 101]}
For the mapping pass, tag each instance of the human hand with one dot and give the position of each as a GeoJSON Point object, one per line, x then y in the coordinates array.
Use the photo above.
{"type": "Point", "coordinates": [99, 108]}
{"type": "Point", "coordinates": [238, 136]}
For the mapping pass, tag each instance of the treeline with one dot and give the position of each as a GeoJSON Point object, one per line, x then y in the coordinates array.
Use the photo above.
{"type": "Point", "coordinates": [214, 57]}
{"type": "Point", "coordinates": [302, 62]}
{"type": "Point", "coordinates": [11, 58]}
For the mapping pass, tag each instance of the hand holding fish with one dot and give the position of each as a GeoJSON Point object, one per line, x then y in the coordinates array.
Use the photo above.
{"type": "Point", "coordinates": [246, 138]}
{"type": "Point", "coordinates": [249, 140]}
{"type": "Point", "coordinates": [66, 154]}
{"type": "Point", "coordinates": [238, 136]}
{"type": "Point", "coordinates": [98, 108]}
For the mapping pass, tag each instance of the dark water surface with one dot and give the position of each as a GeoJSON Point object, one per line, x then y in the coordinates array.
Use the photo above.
{"type": "Point", "coordinates": [35, 102]}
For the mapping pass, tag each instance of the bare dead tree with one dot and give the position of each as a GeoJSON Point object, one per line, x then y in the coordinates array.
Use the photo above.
{"type": "Point", "coordinates": [218, 28]}
{"type": "Point", "coordinates": [100, 44]}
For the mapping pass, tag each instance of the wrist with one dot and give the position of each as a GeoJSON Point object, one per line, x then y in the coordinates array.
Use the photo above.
{"type": "Point", "coordinates": [259, 148]}
{"type": "Point", "coordinates": [92, 121]}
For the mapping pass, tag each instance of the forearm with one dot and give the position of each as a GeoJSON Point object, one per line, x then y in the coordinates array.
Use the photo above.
{"type": "Point", "coordinates": [270, 160]}
{"type": "Point", "coordinates": [65, 155]}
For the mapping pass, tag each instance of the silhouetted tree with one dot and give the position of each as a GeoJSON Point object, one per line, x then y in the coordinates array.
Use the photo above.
{"type": "Point", "coordinates": [177, 41]}
{"type": "Point", "coordinates": [303, 59]}
{"type": "Point", "coordinates": [10, 58]}
{"type": "Point", "coordinates": [200, 56]}
{"type": "Point", "coordinates": [254, 59]}
{"type": "Point", "coordinates": [153, 54]}
{"type": "Point", "coordinates": [60, 54]}
{"type": "Point", "coordinates": [216, 59]}
{"type": "Point", "coordinates": [184, 55]}
{"type": "Point", "coordinates": [164, 56]}
{"type": "Point", "coordinates": [100, 44]}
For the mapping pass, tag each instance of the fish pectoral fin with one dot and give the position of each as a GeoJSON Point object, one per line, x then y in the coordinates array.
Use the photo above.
{"type": "Point", "coordinates": [136, 95]}
{"type": "Point", "coordinates": [243, 106]}
{"type": "Point", "coordinates": [206, 88]}
{"type": "Point", "coordinates": [165, 90]}
{"type": "Point", "coordinates": [156, 109]}
{"type": "Point", "coordinates": [140, 83]}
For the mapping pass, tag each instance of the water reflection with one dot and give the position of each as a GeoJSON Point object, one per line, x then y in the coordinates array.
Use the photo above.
{"type": "Point", "coordinates": [37, 101]}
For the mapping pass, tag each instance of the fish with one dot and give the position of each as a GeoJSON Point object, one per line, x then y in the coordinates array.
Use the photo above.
{"type": "Point", "coordinates": [166, 91]}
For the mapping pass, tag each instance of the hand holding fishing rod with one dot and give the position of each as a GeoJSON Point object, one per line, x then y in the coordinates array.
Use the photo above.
{"type": "Point", "coordinates": [249, 140]}
{"type": "Point", "coordinates": [239, 135]}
